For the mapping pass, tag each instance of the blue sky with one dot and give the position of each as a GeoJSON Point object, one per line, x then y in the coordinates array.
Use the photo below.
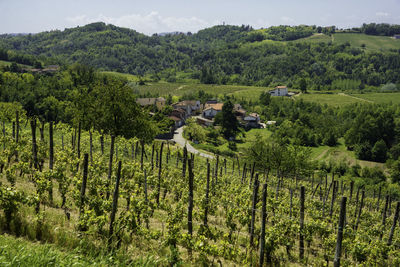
{"type": "Point", "coordinates": [155, 16]}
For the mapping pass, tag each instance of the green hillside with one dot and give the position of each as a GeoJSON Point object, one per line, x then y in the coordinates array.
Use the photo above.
{"type": "Point", "coordinates": [371, 42]}
{"type": "Point", "coordinates": [223, 54]}
{"type": "Point", "coordinates": [357, 40]}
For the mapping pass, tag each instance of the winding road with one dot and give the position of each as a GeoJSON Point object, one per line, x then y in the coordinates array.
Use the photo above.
{"type": "Point", "coordinates": [180, 140]}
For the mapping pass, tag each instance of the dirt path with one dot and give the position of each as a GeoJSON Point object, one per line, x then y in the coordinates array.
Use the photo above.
{"type": "Point", "coordinates": [358, 98]}
{"type": "Point", "coordinates": [320, 156]}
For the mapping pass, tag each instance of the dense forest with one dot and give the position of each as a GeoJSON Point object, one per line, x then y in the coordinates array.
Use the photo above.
{"type": "Point", "coordinates": [219, 55]}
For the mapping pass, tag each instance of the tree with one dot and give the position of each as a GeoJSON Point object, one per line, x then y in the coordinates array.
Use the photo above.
{"type": "Point", "coordinates": [379, 151]}
{"type": "Point", "coordinates": [228, 121]}
{"type": "Point", "coordinates": [265, 98]}
{"type": "Point", "coordinates": [303, 85]}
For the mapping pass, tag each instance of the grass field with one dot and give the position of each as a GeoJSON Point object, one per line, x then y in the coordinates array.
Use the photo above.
{"type": "Point", "coordinates": [340, 153]}
{"type": "Point", "coordinates": [334, 100]}
{"type": "Point", "coordinates": [356, 40]}
{"type": "Point", "coordinates": [179, 89]}
{"type": "Point", "coordinates": [8, 63]}
{"type": "Point", "coordinates": [129, 77]}
{"type": "Point", "coordinates": [381, 98]}
{"type": "Point", "coordinates": [371, 42]}
{"type": "Point", "coordinates": [316, 38]}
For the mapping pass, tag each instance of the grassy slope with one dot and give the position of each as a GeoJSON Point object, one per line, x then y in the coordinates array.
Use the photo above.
{"type": "Point", "coordinates": [8, 63]}
{"type": "Point", "coordinates": [21, 252]}
{"type": "Point", "coordinates": [179, 89]}
{"type": "Point", "coordinates": [356, 40]}
{"type": "Point", "coordinates": [316, 38]}
{"type": "Point", "coordinates": [335, 100]}
{"type": "Point", "coordinates": [340, 153]}
{"type": "Point", "coordinates": [381, 98]}
{"type": "Point", "coordinates": [371, 42]}
{"type": "Point", "coordinates": [321, 153]}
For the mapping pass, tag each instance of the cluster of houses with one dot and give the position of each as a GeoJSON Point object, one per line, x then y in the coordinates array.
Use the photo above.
{"type": "Point", "coordinates": [205, 113]}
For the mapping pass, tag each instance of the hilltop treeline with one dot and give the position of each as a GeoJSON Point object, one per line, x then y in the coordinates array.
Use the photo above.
{"type": "Point", "coordinates": [383, 29]}
{"type": "Point", "coordinates": [220, 55]}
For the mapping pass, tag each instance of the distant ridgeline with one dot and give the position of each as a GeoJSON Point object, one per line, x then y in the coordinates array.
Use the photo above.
{"type": "Point", "coordinates": [222, 54]}
{"type": "Point", "coordinates": [382, 29]}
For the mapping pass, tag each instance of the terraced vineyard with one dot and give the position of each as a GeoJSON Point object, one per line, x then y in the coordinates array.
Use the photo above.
{"type": "Point", "coordinates": [161, 205]}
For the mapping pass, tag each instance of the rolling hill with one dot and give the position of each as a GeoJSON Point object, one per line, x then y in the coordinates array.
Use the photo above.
{"type": "Point", "coordinates": [223, 54]}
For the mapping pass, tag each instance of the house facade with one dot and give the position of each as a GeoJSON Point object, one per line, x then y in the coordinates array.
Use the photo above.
{"type": "Point", "coordinates": [279, 91]}
{"type": "Point", "coordinates": [190, 106]}
{"type": "Point", "coordinates": [210, 110]}
{"type": "Point", "coordinates": [252, 120]}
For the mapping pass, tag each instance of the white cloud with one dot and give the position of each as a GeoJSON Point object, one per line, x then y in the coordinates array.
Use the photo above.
{"type": "Point", "coordinates": [287, 20]}
{"type": "Point", "coordinates": [261, 23]}
{"type": "Point", "coordinates": [148, 24]}
{"type": "Point", "coordinates": [382, 14]}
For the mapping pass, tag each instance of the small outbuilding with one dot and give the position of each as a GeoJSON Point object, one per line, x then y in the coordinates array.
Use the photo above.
{"type": "Point", "coordinates": [279, 91]}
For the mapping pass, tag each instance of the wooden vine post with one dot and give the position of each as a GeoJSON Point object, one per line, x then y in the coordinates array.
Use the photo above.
{"type": "Point", "coordinates": [34, 145]}
{"type": "Point", "coordinates": [253, 209]}
{"type": "Point", "coordinates": [114, 205]}
{"type": "Point", "coordinates": [110, 162]}
{"type": "Point", "coordinates": [152, 157]}
{"type": "Point", "coordinates": [205, 221]}
{"type": "Point", "coordinates": [190, 206]}
{"type": "Point", "coordinates": [360, 209]}
{"type": "Point", "coordinates": [51, 159]}
{"type": "Point", "coordinates": [83, 186]}
{"type": "Point", "coordinates": [184, 161]}
{"type": "Point", "coordinates": [141, 154]}
{"type": "Point", "coordinates": [263, 219]}
{"type": "Point", "coordinates": [159, 175]}
{"type": "Point", "coordinates": [384, 216]}
{"type": "Point", "coordinates": [102, 144]}
{"type": "Point", "coordinates": [342, 216]}
{"type": "Point", "coordinates": [301, 239]}
{"type": "Point", "coordinates": [79, 140]}
{"type": "Point", "coordinates": [334, 189]}
{"type": "Point", "coordinates": [395, 219]}
{"type": "Point", "coordinates": [51, 146]}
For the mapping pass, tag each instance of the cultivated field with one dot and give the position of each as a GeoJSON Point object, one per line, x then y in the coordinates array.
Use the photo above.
{"type": "Point", "coordinates": [380, 98]}
{"type": "Point", "coordinates": [356, 39]}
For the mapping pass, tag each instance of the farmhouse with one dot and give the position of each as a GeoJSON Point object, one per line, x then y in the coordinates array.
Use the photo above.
{"type": "Point", "coordinates": [159, 102]}
{"type": "Point", "coordinates": [279, 91]}
{"type": "Point", "coordinates": [179, 113]}
{"type": "Point", "coordinates": [252, 120]}
{"type": "Point", "coordinates": [190, 106]}
{"type": "Point", "coordinates": [210, 110]}
{"type": "Point", "coordinates": [178, 121]}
